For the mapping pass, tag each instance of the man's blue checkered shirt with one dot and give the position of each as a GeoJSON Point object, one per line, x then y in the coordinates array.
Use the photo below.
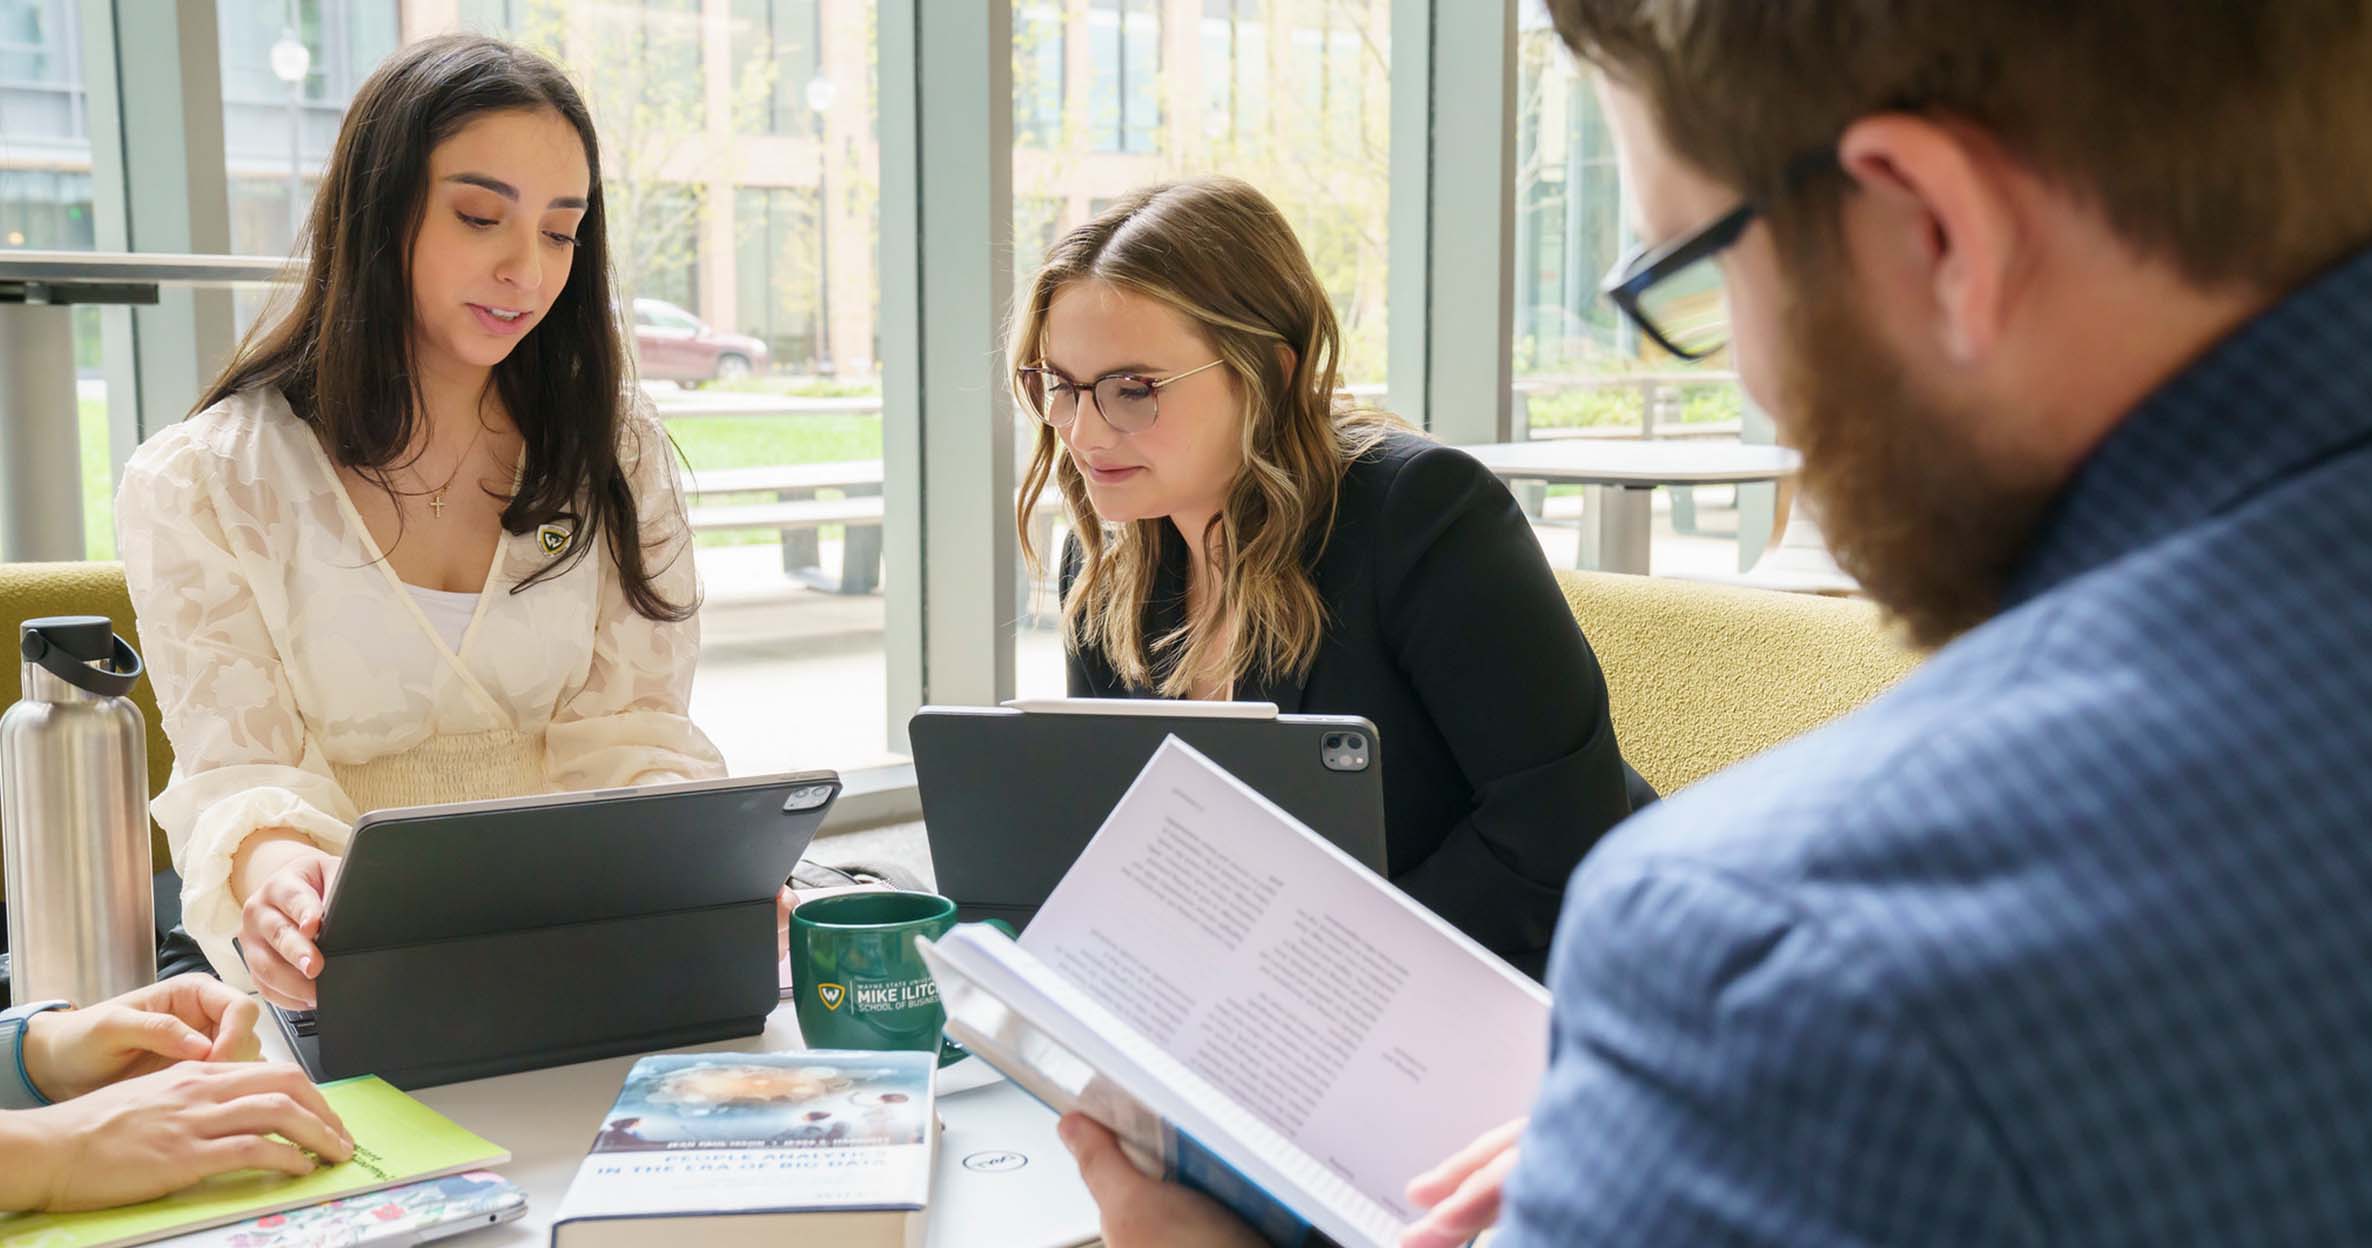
{"type": "Point", "coordinates": [2068, 939]}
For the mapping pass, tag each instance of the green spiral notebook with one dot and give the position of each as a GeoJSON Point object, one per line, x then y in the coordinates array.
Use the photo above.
{"type": "Point", "coordinates": [396, 1140]}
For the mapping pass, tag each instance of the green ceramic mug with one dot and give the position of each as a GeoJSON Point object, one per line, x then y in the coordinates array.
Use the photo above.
{"type": "Point", "coordinates": [861, 983]}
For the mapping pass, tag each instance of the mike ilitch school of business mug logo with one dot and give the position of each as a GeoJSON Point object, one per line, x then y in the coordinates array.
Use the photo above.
{"type": "Point", "coordinates": [876, 998]}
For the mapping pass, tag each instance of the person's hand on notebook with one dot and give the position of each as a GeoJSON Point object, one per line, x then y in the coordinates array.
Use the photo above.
{"type": "Point", "coordinates": [280, 919]}
{"type": "Point", "coordinates": [1140, 1211]}
{"type": "Point", "coordinates": [69, 1053]}
{"type": "Point", "coordinates": [159, 1133]}
{"type": "Point", "coordinates": [1461, 1195]}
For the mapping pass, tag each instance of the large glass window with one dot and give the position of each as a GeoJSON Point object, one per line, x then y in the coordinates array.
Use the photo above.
{"type": "Point", "coordinates": [774, 54]}
{"type": "Point", "coordinates": [1290, 95]}
{"type": "Point", "coordinates": [660, 257]}
{"type": "Point", "coordinates": [1034, 220]}
{"type": "Point", "coordinates": [779, 269]}
{"type": "Point", "coordinates": [1124, 47]}
{"type": "Point", "coordinates": [41, 74]}
{"type": "Point", "coordinates": [1235, 73]}
{"type": "Point", "coordinates": [1580, 368]}
{"type": "Point", "coordinates": [45, 204]}
{"type": "Point", "coordinates": [46, 209]}
{"type": "Point", "coordinates": [289, 67]}
{"type": "Point", "coordinates": [45, 151]}
{"type": "Point", "coordinates": [744, 231]}
{"type": "Point", "coordinates": [1331, 178]}
{"type": "Point", "coordinates": [493, 17]}
{"type": "Point", "coordinates": [1569, 223]}
{"type": "Point", "coordinates": [1039, 75]}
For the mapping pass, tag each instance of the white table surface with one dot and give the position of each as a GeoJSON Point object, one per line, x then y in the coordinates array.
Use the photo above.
{"type": "Point", "coordinates": [1576, 461]}
{"type": "Point", "coordinates": [547, 1119]}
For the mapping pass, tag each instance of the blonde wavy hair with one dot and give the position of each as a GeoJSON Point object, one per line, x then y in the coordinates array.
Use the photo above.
{"type": "Point", "coordinates": [1217, 251]}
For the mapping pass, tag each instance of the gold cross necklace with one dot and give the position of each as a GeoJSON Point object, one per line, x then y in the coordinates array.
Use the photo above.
{"type": "Point", "coordinates": [436, 500]}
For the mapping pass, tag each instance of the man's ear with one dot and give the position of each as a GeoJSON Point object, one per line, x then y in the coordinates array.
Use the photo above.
{"type": "Point", "coordinates": [1938, 218]}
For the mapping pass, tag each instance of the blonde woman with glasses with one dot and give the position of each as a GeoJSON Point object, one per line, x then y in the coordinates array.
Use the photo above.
{"type": "Point", "coordinates": [1240, 532]}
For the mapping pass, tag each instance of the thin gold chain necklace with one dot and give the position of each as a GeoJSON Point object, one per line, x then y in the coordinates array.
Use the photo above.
{"type": "Point", "coordinates": [436, 500]}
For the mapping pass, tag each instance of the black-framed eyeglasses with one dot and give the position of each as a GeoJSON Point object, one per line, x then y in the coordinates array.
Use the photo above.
{"type": "Point", "coordinates": [1129, 402]}
{"type": "Point", "coordinates": [1674, 292]}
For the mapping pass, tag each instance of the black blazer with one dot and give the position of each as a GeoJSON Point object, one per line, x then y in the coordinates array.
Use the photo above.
{"type": "Point", "coordinates": [1446, 628]}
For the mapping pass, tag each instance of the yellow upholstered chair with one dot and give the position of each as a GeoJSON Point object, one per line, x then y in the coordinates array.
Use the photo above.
{"type": "Point", "coordinates": [1701, 676]}
{"type": "Point", "coordinates": [31, 590]}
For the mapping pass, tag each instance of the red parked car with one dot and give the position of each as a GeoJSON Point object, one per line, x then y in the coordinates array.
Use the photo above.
{"type": "Point", "coordinates": [675, 345]}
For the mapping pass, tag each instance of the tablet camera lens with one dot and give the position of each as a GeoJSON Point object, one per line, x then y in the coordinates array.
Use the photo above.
{"type": "Point", "coordinates": [1334, 741]}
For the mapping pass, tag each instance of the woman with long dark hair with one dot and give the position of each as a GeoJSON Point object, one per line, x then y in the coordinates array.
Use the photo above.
{"type": "Point", "coordinates": [420, 542]}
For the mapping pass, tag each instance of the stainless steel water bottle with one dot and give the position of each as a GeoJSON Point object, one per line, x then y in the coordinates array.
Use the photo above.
{"type": "Point", "coordinates": [74, 817]}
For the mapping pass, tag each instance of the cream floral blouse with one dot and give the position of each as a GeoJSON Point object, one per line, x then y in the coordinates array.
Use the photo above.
{"type": "Point", "coordinates": [301, 685]}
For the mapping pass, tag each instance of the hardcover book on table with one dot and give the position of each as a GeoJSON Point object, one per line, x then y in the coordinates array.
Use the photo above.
{"type": "Point", "coordinates": [829, 1146]}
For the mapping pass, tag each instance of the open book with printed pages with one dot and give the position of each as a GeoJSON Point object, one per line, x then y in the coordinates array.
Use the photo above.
{"type": "Point", "coordinates": [1255, 1014]}
{"type": "Point", "coordinates": [396, 1140]}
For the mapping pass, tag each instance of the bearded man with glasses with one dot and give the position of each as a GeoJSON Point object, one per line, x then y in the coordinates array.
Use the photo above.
{"type": "Point", "coordinates": [2063, 940]}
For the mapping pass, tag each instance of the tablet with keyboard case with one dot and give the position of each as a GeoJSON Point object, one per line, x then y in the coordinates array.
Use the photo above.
{"type": "Point", "coordinates": [482, 938]}
{"type": "Point", "coordinates": [1012, 794]}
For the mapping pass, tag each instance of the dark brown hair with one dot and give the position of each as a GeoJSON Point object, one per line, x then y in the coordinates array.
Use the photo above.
{"type": "Point", "coordinates": [2233, 139]}
{"type": "Point", "coordinates": [342, 352]}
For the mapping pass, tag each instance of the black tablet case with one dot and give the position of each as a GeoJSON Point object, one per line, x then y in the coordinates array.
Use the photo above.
{"type": "Point", "coordinates": [461, 946]}
{"type": "Point", "coordinates": [1011, 798]}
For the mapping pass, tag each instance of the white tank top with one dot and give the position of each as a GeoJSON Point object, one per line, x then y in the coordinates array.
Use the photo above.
{"type": "Point", "coordinates": [448, 613]}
